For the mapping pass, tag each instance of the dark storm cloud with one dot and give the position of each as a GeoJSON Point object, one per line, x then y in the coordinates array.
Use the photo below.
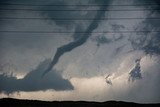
{"type": "Point", "coordinates": [68, 47]}
{"type": "Point", "coordinates": [119, 49]}
{"type": "Point", "coordinates": [153, 47]}
{"type": "Point", "coordinates": [65, 15]}
{"type": "Point", "coordinates": [4, 1]}
{"type": "Point", "coordinates": [60, 14]}
{"type": "Point", "coordinates": [147, 41]}
{"type": "Point", "coordinates": [101, 39]}
{"type": "Point", "coordinates": [33, 81]}
{"type": "Point", "coordinates": [135, 73]}
{"type": "Point", "coordinates": [69, 12]}
{"type": "Point", "coordinates": [117, 27]}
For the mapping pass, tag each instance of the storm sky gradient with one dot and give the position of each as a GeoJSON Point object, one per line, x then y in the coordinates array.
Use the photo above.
{"type": "Point", "coordinates": [91, 50]}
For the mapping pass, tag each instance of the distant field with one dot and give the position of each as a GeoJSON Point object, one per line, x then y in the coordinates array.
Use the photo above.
{"type": "Point", "coordinates": [8, 102]}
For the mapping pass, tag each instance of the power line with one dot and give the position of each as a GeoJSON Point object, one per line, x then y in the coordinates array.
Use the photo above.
{"type": "Point", "coordinates": [71, 19]}
{"type": "Point", "coordinates": [148, 4]}
{"type": "Point", "coordinates": [51, 32]}
{"type": "Point", "coordinates": [4, 9]}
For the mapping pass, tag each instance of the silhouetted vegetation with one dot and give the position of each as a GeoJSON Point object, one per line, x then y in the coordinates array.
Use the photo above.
{"type": "Point", "coordinates": [9, 102]}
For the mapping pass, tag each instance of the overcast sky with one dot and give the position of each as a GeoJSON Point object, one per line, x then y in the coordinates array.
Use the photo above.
{"type": "Point", "coordinates": [92, 50]}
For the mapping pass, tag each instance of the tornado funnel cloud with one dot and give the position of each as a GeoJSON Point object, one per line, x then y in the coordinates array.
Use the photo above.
{"type": "Point", "coordinates": [86, 34]}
